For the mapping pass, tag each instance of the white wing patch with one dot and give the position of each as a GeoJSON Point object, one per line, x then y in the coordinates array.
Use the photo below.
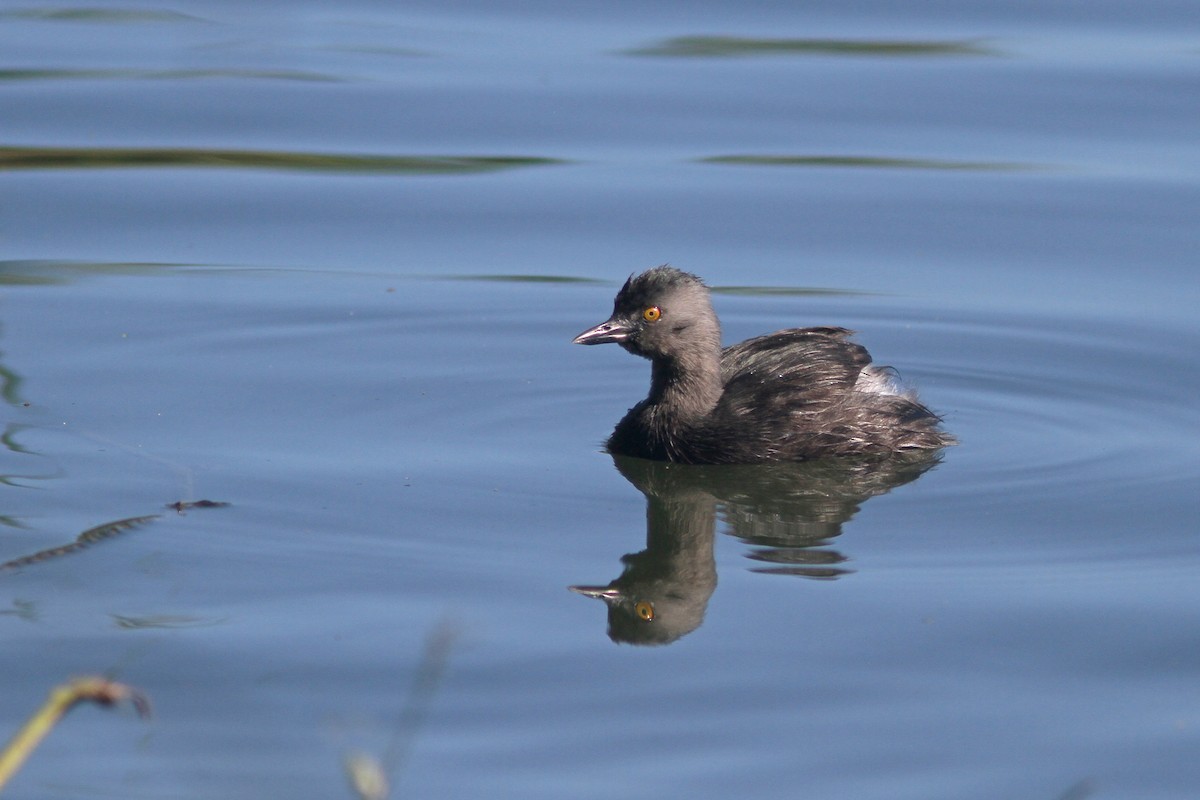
{"type": "Point", "coordinates": [882, 380]}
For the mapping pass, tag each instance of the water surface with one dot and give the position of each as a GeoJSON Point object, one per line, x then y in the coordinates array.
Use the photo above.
{"type": "Point", "coordinates": [325, 266]}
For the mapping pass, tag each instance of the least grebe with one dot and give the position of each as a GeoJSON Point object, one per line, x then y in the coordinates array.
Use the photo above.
{"type": "Point", "coordinates": [793, 395]}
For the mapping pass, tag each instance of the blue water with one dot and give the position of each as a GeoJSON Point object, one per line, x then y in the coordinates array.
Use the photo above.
{"type": "Point", "coordinates": [325, 264]}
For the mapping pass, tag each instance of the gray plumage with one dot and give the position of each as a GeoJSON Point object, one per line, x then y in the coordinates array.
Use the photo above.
{"type": "Point", "coordinates": [794, 395]}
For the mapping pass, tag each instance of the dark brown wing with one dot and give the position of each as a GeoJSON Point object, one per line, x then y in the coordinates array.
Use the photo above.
{"type": "Point", "coordinates": [798, 369]}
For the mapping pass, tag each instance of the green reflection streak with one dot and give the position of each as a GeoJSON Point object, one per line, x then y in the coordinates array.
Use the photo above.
{"type": "Point", "coordinates": [15, 158]}
{"type": "Point", "coordinates": [47, 272]}
{"type": "Point", "coordinates": [23, 609]}
{"type": "Point", "coordinates": [872, 162]}
{"type": "Point", "coordinates": [518, 279]}
{"type": "Point", "coordinates": [736, 46]}
{"type": "Point", "coordinates": [85, 14]}
{"type": "Point", "coordinates": [163, 621]}
{"type": "Point", "coordinates": [13, 75]}
{"type": "Point", "coordinates": [785, 291]}
{"type": "Point", "coordinates": [10, 390]}
{"type": "Point", "coordinates": [759, 291]}
{"type": "Point", "coordinates": [9, 441]}
{"type": "Point", "coordinates": [9, 438]}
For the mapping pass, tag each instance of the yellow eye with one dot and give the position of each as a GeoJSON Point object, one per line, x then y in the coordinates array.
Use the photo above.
{"type": "Point", "coordinates": [652, 314]}
{"type": "Point", "coordinates": [644, 609]}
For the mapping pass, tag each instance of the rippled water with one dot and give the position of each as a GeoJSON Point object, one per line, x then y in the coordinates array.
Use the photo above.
{"type": "Point", "coordinates": [325, 266]}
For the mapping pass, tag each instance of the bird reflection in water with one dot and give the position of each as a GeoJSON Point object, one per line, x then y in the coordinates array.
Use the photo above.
{"type": "Point", "coordinates": [789, 512]}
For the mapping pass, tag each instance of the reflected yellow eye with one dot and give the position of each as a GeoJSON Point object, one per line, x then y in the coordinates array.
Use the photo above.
{"type": "Point", "coordinates": [652, 314]}
{"type": "Point", "coordinates": [644, 609]}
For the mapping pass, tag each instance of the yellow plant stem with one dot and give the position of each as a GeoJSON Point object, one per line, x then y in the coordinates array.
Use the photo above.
{"type": "Point", "coordinates": [62, 699]}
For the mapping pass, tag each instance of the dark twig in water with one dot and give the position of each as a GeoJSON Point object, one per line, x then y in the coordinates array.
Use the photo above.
{"type": "Point", "coordinates": [182, 506]}
{"type": "Point", "coordinates": [88, 537]}
{"type": "Point", "coordinates": [62, 699]}
{"type": "Point", "coordinates": [102, 532]}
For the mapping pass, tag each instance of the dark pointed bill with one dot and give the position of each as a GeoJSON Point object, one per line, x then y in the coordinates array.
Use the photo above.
{"type": "Point", "coordinates": [605, 332]}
